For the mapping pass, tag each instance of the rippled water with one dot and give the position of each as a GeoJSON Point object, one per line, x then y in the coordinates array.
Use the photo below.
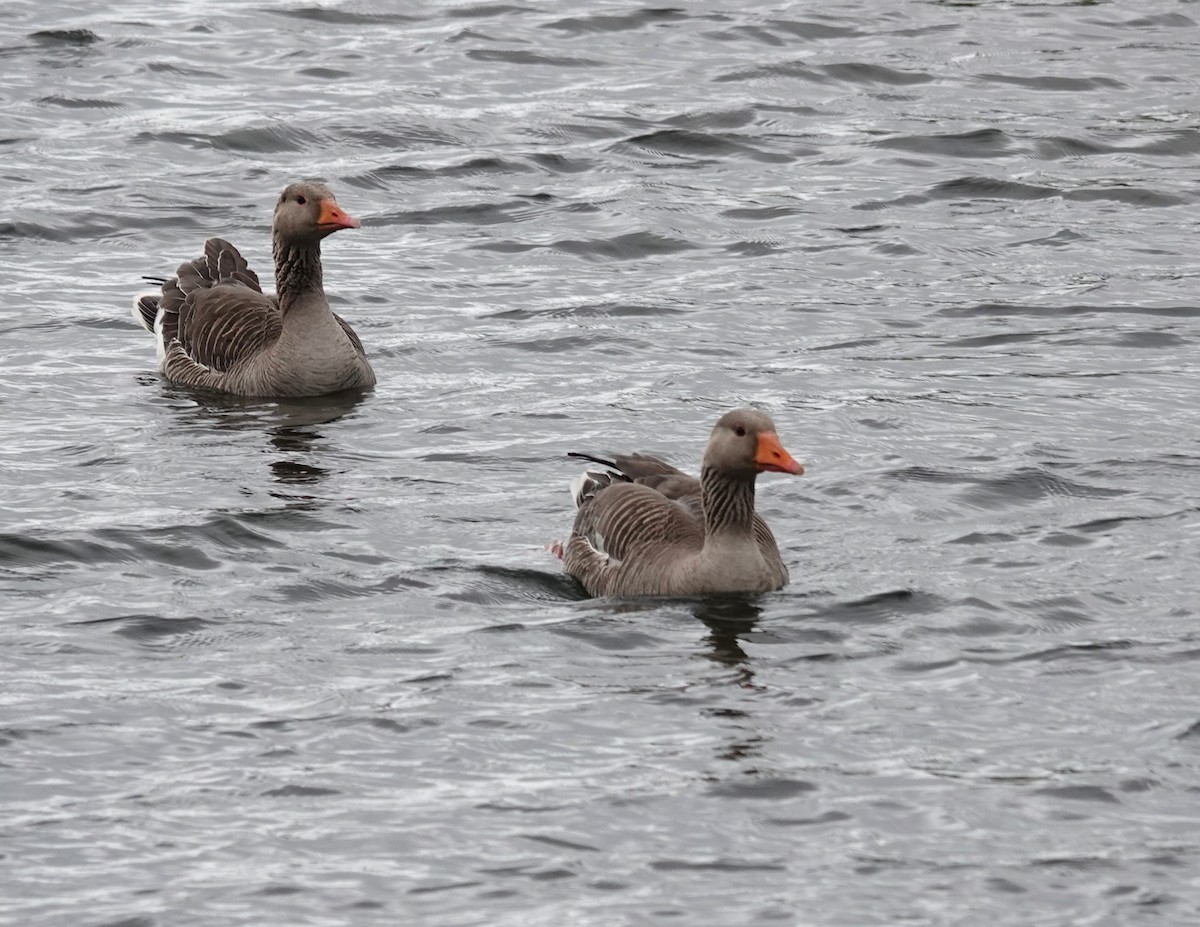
{"type": "Point", "coordinates": [308, 663]}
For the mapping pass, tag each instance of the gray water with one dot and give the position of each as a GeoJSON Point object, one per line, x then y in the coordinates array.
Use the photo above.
{"type": "Point", "coordinates": [309, 664]}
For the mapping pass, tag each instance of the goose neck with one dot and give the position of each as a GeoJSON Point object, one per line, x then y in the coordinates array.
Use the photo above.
{"type": "Point", "coordinates": [728, 501]}
{"type": "Point", "coordinates": [297, 271]}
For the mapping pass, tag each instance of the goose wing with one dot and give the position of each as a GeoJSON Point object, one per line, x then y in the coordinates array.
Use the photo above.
{"type": "Point", "coordinates": [350, 333]}
{"type": "Point", "coordinates": [628, 533]}
{"type": "Point", "coordinates": [651, 471]}
{"type": "Point", "coordinates": [215, 310]}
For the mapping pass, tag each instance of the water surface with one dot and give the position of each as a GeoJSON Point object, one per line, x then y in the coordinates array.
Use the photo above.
{"type": "Point", "coordinates": [308, 663]}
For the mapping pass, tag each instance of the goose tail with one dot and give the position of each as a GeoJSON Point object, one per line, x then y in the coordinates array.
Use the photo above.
{"type": "Point", "coordinates": [145, 309]}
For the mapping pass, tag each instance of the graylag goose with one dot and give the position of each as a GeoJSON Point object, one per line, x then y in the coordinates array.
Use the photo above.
{"type": "Point", "coordinates": [644, 528]}
{"type": "Point", "coordinates": [216, 329]}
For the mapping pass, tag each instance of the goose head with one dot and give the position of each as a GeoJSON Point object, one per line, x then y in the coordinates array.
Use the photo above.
{"type": "Point", "coordinates": [307, 212]}
{"type": "Point", "coordinates": [744, 443]}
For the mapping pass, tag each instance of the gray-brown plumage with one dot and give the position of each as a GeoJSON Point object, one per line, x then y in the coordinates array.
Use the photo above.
{"type": "Point", "coordinates": [645, 528]}
{"type": "Point", "coordinates": [216, 328]}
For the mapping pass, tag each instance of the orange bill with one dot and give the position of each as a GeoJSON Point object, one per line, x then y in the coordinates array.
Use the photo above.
{"type": "Point", "coordinates": [772, 457]}
{"type": "Point", "coordinates": [332, 216]}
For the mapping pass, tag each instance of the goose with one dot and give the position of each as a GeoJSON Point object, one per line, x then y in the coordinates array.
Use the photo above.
{"type": "Point", "coordinates": [216, 329]}
{"type": "Point", "coordinates": [644, 528]}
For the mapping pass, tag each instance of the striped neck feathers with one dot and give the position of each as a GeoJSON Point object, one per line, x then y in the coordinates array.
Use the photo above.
{"type": "Point", "coordinates": [297, 271]}
{"type": "Point", "coordinates": [728, 502]}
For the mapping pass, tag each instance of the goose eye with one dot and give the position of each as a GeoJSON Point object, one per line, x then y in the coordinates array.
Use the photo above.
{"type": "Point", "coordinates": [301, 200]}
{"type": "Point", "coordinates": [740, 431]}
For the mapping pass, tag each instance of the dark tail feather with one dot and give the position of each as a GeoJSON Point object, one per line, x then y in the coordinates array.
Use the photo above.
{"type": "Point", "coordinates": [599, 460]}
{"type": "Point", "coordinates": [146, 310]}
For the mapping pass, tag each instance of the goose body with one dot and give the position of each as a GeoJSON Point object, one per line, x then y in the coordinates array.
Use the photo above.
{"type": "Point", "coordinates": [216, 329]}
{"type": "Point", "coordinates": [643, 527]}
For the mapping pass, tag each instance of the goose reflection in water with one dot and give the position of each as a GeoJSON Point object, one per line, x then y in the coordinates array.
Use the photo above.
{"type": "Point", "coordinates": [729, 618]}
{"type": "Point", "coordinates": [290, 425]}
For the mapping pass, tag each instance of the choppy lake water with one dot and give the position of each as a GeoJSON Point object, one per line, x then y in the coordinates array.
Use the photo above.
{"type": "Point", "coordinates": [309, 664]}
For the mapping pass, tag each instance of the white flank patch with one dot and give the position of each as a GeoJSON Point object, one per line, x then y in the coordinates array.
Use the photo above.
{"type": "Point", "coordinates": [159, 347]}
{"type": "Point", "coordinates": [577, 485]}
